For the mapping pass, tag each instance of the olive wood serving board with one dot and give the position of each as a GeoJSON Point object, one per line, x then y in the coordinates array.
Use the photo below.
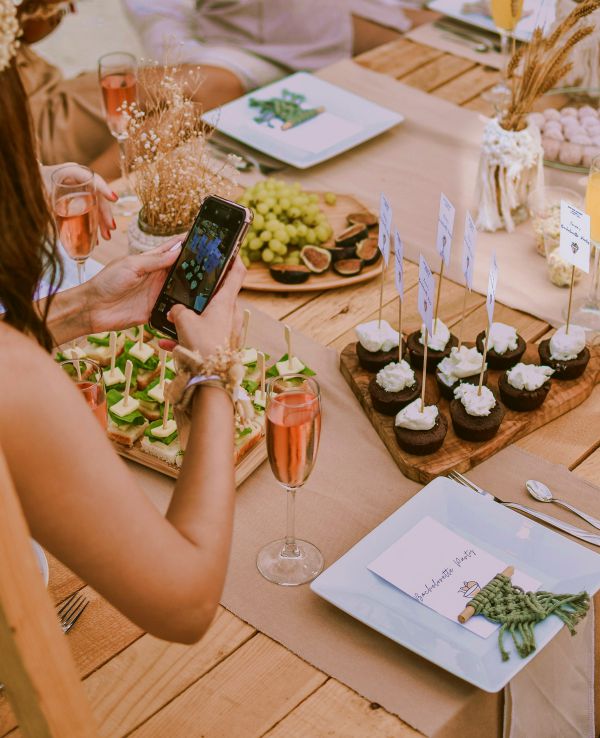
{"type": "Point", "coordinates": [456, 453]}
{"type": "Point", "coordinates": [259, 278]}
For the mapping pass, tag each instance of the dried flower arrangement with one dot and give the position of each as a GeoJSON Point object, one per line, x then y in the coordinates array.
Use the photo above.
{"type": "Point", "coordinates": [168, 155]}
{"type": "Point", "coordinates": [511, 164]}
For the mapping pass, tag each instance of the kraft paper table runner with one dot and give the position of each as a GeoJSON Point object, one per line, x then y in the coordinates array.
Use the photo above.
{"type": "Point", "coordinates": [355, 485]}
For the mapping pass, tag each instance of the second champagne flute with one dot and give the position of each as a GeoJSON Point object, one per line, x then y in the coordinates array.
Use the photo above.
{"type": "Point", "coordinates": [293, 418]}
{"type": "Point", "coordinates": [75, 206]}
{"type": "Point", "coordinates": [505, 14]}
{"type": "Point", "coordinates": [117, 73]}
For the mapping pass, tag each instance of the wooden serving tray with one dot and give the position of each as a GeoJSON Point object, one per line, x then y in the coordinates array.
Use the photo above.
{"type": "Point", "coordinates": [456, 453]}
{"type": "Point", "coordinates": [258, 277]}
{"type": "Point", "coordinates": [249, 463]}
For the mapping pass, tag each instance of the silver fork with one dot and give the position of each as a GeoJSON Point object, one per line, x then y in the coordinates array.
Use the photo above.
{"type": "Point", "coordinates": [572, 530]}
{"type": "Point", "coordinates": [71, 610]}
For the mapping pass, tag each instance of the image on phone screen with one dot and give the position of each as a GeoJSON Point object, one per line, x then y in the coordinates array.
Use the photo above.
{"type": "Point", "coordinates": [199, 265]}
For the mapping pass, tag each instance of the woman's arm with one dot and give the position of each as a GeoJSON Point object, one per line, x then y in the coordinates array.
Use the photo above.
{"type": "Point", "coordinates": [85, 506]}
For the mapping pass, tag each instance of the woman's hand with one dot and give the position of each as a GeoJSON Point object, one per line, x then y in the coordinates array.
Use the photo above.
{"type": "Point", "coordinates": [124, 292]}
{"type": "Point", "coordinates": [106, 222]}
{"type": "Point", "coordinates": [217, 323]}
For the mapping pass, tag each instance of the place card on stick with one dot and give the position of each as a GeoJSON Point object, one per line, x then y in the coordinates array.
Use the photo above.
{"type": "Point", "coordinates": [383, 242]}
{"type": "Point", "coordinates": [468, 262]}
{"type": "Point", "coordinates": [425, 305]}
{"type": "Point", "coordinates": [443, 244]}
{"type": "Point", "coordinates": [574, 244]}
{"type": "Point", "coordinates": [489, 304]}
{"type": "Point", "coordinates": [399, 279]}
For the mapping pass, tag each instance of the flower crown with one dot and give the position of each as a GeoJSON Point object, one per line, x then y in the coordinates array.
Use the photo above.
{"type": "Point", "coordinates": [10, 31]}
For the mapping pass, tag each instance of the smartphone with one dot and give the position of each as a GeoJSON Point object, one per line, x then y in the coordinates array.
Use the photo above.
{"type": "Point", "coordinates": [206, 255]}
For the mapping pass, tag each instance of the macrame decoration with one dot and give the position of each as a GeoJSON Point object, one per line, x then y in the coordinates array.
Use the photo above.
{"type": "Point", "coordinates": [510, 168]}
{"type": "Point", "coordinates": [518, 612]}
{"type": "Point", "coordinates": [585, 56]}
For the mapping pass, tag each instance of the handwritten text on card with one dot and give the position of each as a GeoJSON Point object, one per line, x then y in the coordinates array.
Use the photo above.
{"type": "Point", "coordinates": [426, 292]}
{"type": "Point", "coordinates": [445, 228]}
{"type": "Point", "coordinates": [468, 260]}
{"type": "Point", "coordinates": [385, 227]}
{"type": "Point", "coordinates": [574, 236]}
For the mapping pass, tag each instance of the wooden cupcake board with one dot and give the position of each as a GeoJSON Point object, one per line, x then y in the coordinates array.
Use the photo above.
{"type": "Point", "coordinates": [456, 453]}
{"type": "Point", "coordinates": [248, 464]}
{"type": "Point", "coordinates": [259, 278]}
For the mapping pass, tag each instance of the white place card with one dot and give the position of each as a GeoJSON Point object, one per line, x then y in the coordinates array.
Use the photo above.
{"type": "Point", "coordinates": [399, 264]}
{"type": "Point", "coordinates": [426, 293]}
{"type": "Point", "coordinates": [443, 570]}
{"type": "Point", "coordinates": [491, 293]}
{"type": "Point", "coordinates": [385, 227]}
{"type": "Point", "coordinates": [574, 236]}
{"type": "Point", "coordinates": [445, 228]}
{"type": "Point", "coordinates": [468, 257]}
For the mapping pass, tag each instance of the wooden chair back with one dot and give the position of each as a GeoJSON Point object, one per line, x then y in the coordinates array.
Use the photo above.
{"type": "Point", "coordinates": [36, 665]}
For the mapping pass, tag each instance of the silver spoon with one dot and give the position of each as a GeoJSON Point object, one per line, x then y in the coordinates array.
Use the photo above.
{"type": "Point", "coordinates": [541, 492]}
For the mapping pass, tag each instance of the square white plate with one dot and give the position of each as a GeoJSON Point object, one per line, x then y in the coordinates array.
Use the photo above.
{"type": "Point", "coordinates": [559, 564]}
{"type": "Point", "coordinates": [348, 121]}
{"type": "Point", "coordinates": [536, 14]}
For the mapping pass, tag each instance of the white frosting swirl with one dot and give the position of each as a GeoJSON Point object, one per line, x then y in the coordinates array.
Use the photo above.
{"type": "Point", "coordinates": [528, 376]}
{"type": "Point", "coordinates": [463, 362]}
{"type": "Point", "coordinates": [374, 337]}
{"type": "Point", "coordinates": [395, 377]}
{"type": "Point", "coordinates": [502, 338]}
{"type": "Point", "coordinates": [565, 346]}
{"type": "Point", "coordinates": [474, 403]}
{"type": "Point", "coordinates": [411, 417]}
{"type": "Point", "coordinates": [439, 338]}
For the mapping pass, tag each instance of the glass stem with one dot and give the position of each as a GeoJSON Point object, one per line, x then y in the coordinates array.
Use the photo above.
{"type": "Point", "coordinates": [81, 271]}
{"type": "Point", "coordinates": [290, 549]}
{"type": "Point", "coordinates": [595, 289]}
{"type": "Point", "coordinates": [123, 163]}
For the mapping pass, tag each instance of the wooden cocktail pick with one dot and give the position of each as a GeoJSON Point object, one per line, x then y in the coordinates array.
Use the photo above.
{"type": "Point", "coordinates": [288, 340]}
{"type": "Point", "coordinates": [140, 336]}
{"type": "Point", "coordinates": [75, 361]}
{"type": "Point", "coordinates": [469, 611]}
{"type": "Point", "coordinates": [165, 416]}
{"type": "Point", "coordinates": [261, 368]}
{"type": "Point", "coordinates": [112, 342]}
{"type": "Point", "coordinates": [128, 371]}
{"type": "Point", "coordinates": [162, 354]}
{"type": "Point", "coordinates": [244, 333]}
{"type": "Point", "coordinates": [439, 292]}
{"type": "Point", "coordinates": [424, 382]}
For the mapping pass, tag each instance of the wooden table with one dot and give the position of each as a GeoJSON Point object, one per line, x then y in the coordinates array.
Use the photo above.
{"type": "Point", "coordinates": [237, 682]}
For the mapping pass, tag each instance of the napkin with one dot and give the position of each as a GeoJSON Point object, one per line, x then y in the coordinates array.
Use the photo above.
{"type": "Point", "coordinates": [553, 696]}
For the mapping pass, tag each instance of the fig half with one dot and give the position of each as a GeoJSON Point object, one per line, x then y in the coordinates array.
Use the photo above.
{"type": "Point", "coordinates": [348, 267]}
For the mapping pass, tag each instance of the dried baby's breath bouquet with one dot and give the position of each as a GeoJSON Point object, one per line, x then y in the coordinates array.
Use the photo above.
{"type": "Point", "coordinates": [167, 152]}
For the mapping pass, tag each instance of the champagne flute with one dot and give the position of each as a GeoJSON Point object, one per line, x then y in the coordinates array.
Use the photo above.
{"type": "Point", "coordinates": [505, 14]}
{"type": "Point", "coordinates": [87, 376]}
{"type": "Point", "coordinates": [586, 311]}
{"type": "Point", "coordinates": [293, 417]}
{"type": "Point", "coordinates": [117, 74]}
{"type": "Point", "coordinates": [75, 206]}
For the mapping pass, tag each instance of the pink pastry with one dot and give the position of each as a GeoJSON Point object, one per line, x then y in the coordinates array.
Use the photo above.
{"type": "Point", "coordinates": [582, 139]}
{"type": "Point", "coordinates": [570, 153]}
{"type": "Point", "coordinates": [589, 153]}
{"type": "Point", "coordinates": [551, 114]}
{"type": "Point", "coordinates": [586, 111]}
{"type": "Point", "coordinates": [590, 122]}
{"type": "Point", "coordinates": [555, 133]}
{"type": "Point", "coordinates": [537, 119]}
{"type": "Point", "coordinates": [596, 140]}
{"type": "Point", "coordinates": [551, 148]}
{"type": "Point", "coordinates": [568, 112]}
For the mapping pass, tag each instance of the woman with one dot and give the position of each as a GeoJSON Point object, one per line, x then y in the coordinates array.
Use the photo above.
{"type": "Point", "coordinates": [80, 500]}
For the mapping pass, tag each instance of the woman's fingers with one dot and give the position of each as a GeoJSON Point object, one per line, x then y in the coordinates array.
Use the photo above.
{"type": "Point", "coordinates": [160, 258]}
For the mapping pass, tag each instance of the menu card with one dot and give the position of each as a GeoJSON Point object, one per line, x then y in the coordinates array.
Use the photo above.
{"type": "Point", "coordinates": [443, 570]}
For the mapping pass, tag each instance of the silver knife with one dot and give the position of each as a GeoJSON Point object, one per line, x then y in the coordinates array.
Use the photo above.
{"type": "Point", "coordinates": [468, 33]}
{"type": "Point", "coordinates": [573, 530]}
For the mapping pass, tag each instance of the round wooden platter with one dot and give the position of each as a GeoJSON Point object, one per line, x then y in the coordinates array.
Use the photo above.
{"type": "Point", "coordinates": [260, 280]}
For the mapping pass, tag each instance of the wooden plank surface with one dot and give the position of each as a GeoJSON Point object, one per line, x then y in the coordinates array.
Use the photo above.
{"type": "Point", "coordinates": [237, 682]}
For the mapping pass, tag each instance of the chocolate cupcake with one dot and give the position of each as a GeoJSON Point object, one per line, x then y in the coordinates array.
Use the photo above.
{"type": "Point", "coordinates": [505, 346]}
{"type": "Point", "coordinates": [471, 426]}
{"type": "Point", "coordinates": [463, 365]}
{"type": "Point", "coordinates": [566, 352]}
{"type": "Point", "coordinates": [440, 345]}
{"type": "Point", "coordinates": [377, 345]}
{"type": "Point", "coordinates": [416, 440]}
{"type": "Point", "coordinates": [525, 386]}
{"type": "Point", "coordinates": [394, 387]}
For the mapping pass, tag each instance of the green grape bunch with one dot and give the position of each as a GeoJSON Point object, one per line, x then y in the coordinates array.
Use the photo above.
{"type": "Point", "coordinates": [286, 218]}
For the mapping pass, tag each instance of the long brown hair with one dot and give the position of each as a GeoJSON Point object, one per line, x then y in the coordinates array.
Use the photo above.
{"type": "Point", "coordinates": [27, 231]}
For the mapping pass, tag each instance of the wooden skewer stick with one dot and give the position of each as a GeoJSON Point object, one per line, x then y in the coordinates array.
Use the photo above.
{"type": "Point", "coordinates": [128, 370]}
{"type": "Point", "coordinates": [162, 354]}
{"type": "Point", "coordinates": [381, 292]}
{"type": "Point", "coordinates": [75, 361]}
{"type": "Point", "coordinates": [165, 418]}
{"type": "Point", "coordinates": [437, 299]}
{"type": "Point", "coordinates": [462, 319]}
{"type": "Point", "coordinates": [485, 349]}
{"type": "Point", "coordinates": [113, 351]}
{"type": "Point", "coordinates": [424, 380]}
{"type": "Point", "coordinates": [140, 336]}
{"type": "Point", "coordinates": [288, 340]}
{"type": "Point", "coordinates": [469, 610]}
{"type": "Point", "coordinates": [261, 367]}
{"type": "Point", "coordinates": [570, 299]}
{"type": "Point", "coordinates": [244, 333]}
{"type": "Point", "coordinates": [399, 329]}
